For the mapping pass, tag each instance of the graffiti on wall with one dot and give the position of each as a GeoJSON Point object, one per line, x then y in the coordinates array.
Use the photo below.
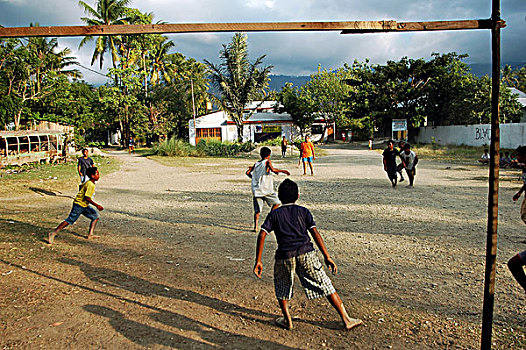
{"type": "Point", "coordinates": [483, 134]}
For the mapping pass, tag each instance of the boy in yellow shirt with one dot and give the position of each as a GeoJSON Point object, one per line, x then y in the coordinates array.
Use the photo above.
{"type": "Point", "coordinates": [81, 205]}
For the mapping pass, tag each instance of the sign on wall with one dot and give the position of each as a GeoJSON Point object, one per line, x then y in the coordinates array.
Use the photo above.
{"type": "Point", "coordinates": [399, 124]}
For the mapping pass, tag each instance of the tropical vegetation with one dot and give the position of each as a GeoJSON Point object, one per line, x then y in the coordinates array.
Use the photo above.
{"type": "Point", "coordinates": [152, 91]}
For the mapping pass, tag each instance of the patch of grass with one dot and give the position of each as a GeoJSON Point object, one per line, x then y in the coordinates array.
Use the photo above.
{"type": "Point", "coordinates": [451, 154]}
{"type": "Point", "coordinates": [49, 177]}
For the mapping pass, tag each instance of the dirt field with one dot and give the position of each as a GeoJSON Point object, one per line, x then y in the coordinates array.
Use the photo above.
{"type": "Point", "coordinates": [173, 268]}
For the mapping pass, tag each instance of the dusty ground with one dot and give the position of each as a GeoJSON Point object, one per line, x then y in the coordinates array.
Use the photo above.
{"type": "Point", "coordinates": [173, 268]}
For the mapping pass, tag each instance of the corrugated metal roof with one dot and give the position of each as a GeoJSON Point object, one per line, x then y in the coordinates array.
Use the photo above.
{"type": "Point", "coordinates": [522, 96]}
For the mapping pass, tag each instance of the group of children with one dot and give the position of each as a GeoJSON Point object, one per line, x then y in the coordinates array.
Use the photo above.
{"type": "Point", "coordinates": [506, 160]}
{"type": "Point", "coordinates": [291, 225]}
{"type": "Point", "coordinates": [392, 168]}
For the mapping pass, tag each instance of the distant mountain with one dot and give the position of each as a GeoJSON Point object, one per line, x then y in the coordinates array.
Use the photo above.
{"type": "Point", "coordinates": [482, 69]}
{"type": "Point", "coordinates": [278, 81]}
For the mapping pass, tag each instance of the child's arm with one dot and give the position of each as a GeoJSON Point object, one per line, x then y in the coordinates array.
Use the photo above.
{"type": "Point", "coordinates": [518, 194]}
{"type": "Point", "coordinates": [321, 246]}
{"type": "Point", "coordinates": [415, 162]}
{"type": "Point", "coordinates": [312, 148]}
{"type": "Point", "coordinates": [249, 171]}
{"type": "Point", "coordinates": [258, 266]}
{"type": "Point", "coordinates": [89, 200]}
{"type": "Point", "coordinates": [274, 170]}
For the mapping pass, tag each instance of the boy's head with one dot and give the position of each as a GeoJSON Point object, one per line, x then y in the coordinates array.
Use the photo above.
{"type": "Point", "coordinates": [486, 150]}
{"type": "Point", "coordinates": [521, 154]}
{"type": "Point", "coordinates": [407, 147]}
{"type": "Point", "coordinates": [288, 192]}
{"type": "Point", "coordinates": [390, 144]}
{"type": "Point", "coordinates": [85, 152]}
{"type": "Point", "coordinates": [93, 173]}
{"type": "Point", "coordinates": [264, 152]}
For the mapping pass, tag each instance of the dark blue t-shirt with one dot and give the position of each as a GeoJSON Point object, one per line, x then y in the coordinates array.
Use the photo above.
{"type": "Point", "coordinates": [290, 224]}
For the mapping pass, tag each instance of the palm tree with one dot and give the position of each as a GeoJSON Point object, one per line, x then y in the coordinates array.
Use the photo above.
{"type": "Point", "coordinates": [107, 12]}
{"type": "Point", "coordinates": [238, 80]}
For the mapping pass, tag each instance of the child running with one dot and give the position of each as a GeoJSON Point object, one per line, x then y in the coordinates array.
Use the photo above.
{"type": "Point", "coordinates": [516, 263]}
{"type": "Point", "coordinates": [389, 158]}
{"type": "Point", "coordinates": [81, 205]}
{"type": "Point", "coordinates": [296, 253]}
{"type": "Point", "coordinates": [409, 162]}
{"type": "Point", "coordinates": [263, 184]}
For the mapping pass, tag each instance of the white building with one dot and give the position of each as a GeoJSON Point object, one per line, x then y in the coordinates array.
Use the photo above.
{"type": "Point", "coordinates": [262, 125]}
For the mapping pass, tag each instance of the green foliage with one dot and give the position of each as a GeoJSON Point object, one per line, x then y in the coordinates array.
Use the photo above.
{"type": "Point", "coordinates": [205, 147]}
{"type": "Point", "coordinates": [271, 142]}
{"type": "Point", "coordinates": [238, 80]}
{"type": "Point", "coordinates": [298, 103]}
{"type": "Point", "coordinates": [175, 148]}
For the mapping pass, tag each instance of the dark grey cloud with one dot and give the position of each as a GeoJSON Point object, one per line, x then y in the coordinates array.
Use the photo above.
{"type": "Point", "coordinates": [300, 53]}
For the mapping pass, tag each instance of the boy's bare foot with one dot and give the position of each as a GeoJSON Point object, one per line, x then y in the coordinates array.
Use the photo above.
{"type": "Point", "coordinates": [51, 237]}
{"type": "Point", "coordinates": [352, 322]}
{"type": "Point", "coordinates": [282, 322]}
{"type": "Point", "coordinates": [92, 236]}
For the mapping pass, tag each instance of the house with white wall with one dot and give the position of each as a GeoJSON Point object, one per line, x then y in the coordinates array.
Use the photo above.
{"type": "Point", "coordinates": [262, 125]}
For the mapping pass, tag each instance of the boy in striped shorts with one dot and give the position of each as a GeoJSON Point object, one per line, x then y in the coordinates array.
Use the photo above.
{"type": "Point", "coordinates": [516, 263]}
{"type": "Point", "coordinates": [296, 254]}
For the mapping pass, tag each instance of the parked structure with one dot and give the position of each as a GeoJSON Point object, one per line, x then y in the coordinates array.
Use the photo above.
{"type": "Point", "coordinates": [23, 147]}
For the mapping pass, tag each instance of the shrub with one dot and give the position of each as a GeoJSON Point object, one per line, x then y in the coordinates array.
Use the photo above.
{"type": "Point", "coordinates": [174, 147]}
{"type": "Point", "coordinates": [272, 142]}
{"type": "Point", "coordinates": [205, 147]}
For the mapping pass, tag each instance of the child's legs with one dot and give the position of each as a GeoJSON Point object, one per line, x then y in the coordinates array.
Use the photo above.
{"type": "Point", "coordinates": [283, 283]}
{"type": "Point", "coordinates": [411, 176]}
{"type": "Point", "coordinates": [304, 167]}
{"type": "Point", "coordinates": [515, 265]}
{"type": "Point", "coordinates": [284, 306]}
{"type": "Point", "coordinates": [310, 166]}
{"type": "Point", "coordinates": [93, 215]}
{"type": "Point", "coordinates": [258, 204]}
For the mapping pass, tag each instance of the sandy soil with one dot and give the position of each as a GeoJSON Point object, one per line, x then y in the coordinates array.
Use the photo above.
{"type": "Point", "coordinates": [173, 268]}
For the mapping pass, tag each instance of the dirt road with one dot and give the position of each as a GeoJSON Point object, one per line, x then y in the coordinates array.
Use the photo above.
{"type": "Point", "coordinates": [173, 266]}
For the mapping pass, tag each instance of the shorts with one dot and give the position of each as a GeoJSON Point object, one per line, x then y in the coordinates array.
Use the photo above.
{"type": "Point", "coordinates": [271, 200]}
{"type": "Point", "coordinates": [89, 212]}
{"type": "Point", "coordinates": [411, 171]}
{"type": "Point", "coordinates": [523, 210]}
{"type": "Point", "coordinates": [307, 159]}
{"type": "Point", "coordinates": [391, 173]}
{"type": "Point", "coordinates": [310, 273]}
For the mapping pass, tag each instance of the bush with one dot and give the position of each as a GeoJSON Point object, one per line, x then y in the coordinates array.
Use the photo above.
{"type": "Point", "coordinates": [174, 148]}
{"type": "Point", "coordinates": [272, 142]}
{"type": "Point", "coordinates": [95, 144]}
{"type": "Point", "coordinates": [205, 147]}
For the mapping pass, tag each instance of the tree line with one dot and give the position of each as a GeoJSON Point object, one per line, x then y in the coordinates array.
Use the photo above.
{"type": "Point", "coordinates": [153, 92]}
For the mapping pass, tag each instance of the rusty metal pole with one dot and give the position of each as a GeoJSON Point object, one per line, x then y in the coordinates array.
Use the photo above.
{"type": "Point", "coordinates": [493, 196]}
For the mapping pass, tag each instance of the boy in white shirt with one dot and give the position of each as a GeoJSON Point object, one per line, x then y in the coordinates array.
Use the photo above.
{"type": "Point", "coordinates": [263, 184]}
{"type": "Point", "coordinates": [409, 161]}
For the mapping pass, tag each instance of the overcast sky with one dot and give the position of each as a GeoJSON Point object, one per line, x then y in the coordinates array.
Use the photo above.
{"type": "Point", "coordinates": [299, 53]}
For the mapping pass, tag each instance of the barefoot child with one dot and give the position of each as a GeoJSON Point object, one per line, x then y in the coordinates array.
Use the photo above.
{"type": "Point", "coordinates": [516, 263]}
{"type": "Point", "coordinates": [296, 253]}
{"type": "Point", "coordinates": [81, 205]}
{"type": "Point", "coordinates": [263, 184]}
